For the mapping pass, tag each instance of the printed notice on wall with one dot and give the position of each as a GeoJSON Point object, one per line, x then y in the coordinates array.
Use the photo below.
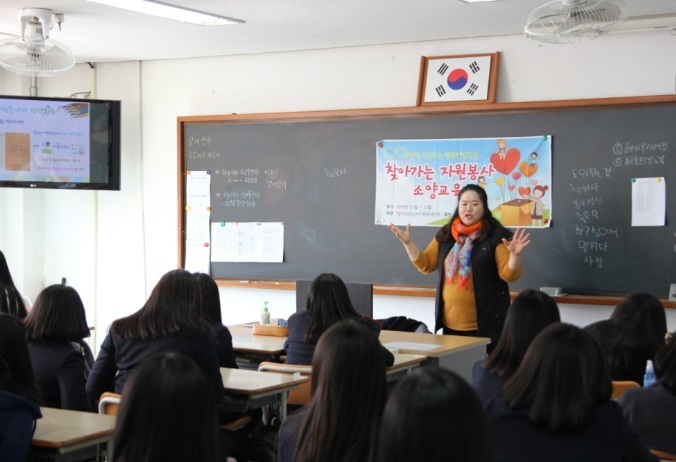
{"type": "Point", "coordinates": [247, 242]}
{"type": "Point", "coordinates": [197, 215]}
{"type": "Point", "coordinates": [648, 201]}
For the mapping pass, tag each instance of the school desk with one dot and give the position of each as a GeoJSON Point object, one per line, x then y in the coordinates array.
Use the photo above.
{"type": "Point", "coordinates": [63, 435]}
{"type": "Point", "coordinates": [247, 389]}
{"type": "Point", "coordinates": [453, 352]}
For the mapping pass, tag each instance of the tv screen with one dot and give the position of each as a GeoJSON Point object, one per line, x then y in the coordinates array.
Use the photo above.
{"type": "Point", "coordinates": [59, 143]}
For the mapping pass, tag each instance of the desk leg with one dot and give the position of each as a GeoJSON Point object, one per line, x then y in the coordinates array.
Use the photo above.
{"type": "Point", "coordinates": [282, 407]}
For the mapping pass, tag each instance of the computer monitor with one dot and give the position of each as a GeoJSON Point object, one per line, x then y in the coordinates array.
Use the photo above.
{"type": "Point", "coordinates": [361, 296]}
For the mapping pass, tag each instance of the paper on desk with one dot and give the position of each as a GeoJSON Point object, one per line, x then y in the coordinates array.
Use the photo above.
{"type": "Point", "coordinates": [410, 346]}
{"type": "Point", "coordinates": [648, 201]}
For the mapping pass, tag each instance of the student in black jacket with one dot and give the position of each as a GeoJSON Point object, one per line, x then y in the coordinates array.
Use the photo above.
{"type": "Point", "coordinates": [168, 322]}
{"type": "Point", "coordinates": [19, 392]}
{"type": "Point", "coordinates": [55, 329]}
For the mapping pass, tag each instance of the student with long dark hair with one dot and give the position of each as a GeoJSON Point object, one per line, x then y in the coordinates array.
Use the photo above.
{"type": "Point", "coordinates": [651, 411]}
{"type": "Point", "coordinates": [475, 258]}
{"type": "Point", "coordinates": [341, 421]}
{"type": "Point", "coordinates": [433, 415]}
{"type": "Point", "coordinates": [530, 312]}
{"type": "Point", "coordinates": [168, 322]}
{"type": "Point", "coordinates": [632, 335]}
{"type": "Point", "coordinates": [19, 392]}
{"type": "Point", "coordinates": [167, 413]}
{"type": "Point", "coordinates": [55, 329]}
{"type": "Point", "coordinates": [557, 406]}
{"type": "Point", "coordinates": [11, 300]}
{"type": "Point", "coordinates": [328, 302]}
{"type": "Point", "coordinates": [211, 312]}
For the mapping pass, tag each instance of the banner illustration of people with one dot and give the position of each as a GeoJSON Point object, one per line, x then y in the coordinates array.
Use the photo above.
{"type": "Point", "coordinates": [416, 179]}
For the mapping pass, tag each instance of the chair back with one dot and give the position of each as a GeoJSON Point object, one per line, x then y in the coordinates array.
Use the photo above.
{"type": "Point", "coordinates": [663, 455]}
{"type": "Point", "coordinates": [298, 396]}
{"type": "Point", "coordinates": [109, 403]}
{"type": "Point", "coordinates": [620, 386]}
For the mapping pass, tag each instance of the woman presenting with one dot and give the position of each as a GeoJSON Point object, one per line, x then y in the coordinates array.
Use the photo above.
{"type": "Point", "coordinates": [475, 257]}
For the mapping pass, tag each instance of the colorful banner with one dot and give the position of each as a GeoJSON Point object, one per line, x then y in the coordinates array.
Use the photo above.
{"type": "Point", "coordinates": [418, 180]}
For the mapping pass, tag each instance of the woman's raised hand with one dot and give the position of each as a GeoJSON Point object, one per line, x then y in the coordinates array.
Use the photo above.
{"type": "Point", "coordinates": [519, 241]}
{"type": "Point", "coordinates": [403, 235]}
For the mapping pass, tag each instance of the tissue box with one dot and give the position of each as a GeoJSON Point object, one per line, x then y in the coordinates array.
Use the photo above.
{"type": "Point", "coordinates": [271, 329]}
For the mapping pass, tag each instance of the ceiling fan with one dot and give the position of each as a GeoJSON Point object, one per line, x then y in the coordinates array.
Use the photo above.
{"type": "Point", "coordinates": [565, 21]}
{"type": "Point", "coordinates": [34, 53]}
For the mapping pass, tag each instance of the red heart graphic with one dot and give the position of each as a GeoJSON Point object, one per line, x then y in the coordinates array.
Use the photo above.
{"type": "Point", "coordinates": [524, 191]}
{"type": "Point", "coordinates": [506, 165]}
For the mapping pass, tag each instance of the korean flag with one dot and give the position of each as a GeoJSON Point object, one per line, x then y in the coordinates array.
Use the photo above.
{"type": "Point", "coordinates": [457, 79]}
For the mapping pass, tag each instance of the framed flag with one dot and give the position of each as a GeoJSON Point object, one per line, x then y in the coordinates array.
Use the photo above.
{"type": "Point", "coordinates": [458, 79]}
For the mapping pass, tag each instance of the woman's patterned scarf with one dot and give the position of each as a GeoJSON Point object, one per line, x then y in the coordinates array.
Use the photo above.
{"type": "Point", "coordinates": [460, 255]}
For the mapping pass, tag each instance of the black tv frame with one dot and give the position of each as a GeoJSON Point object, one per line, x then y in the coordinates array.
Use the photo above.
{"type": "Point", "coordinates": [113, 148]}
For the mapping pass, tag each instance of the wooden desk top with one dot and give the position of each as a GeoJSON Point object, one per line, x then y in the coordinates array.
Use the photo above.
{"type": "Point", "coordinates": [60, 428]}
{"type": "Point", "coordinates": [403, 360]}
{"type": "Point", "coordinates": [430, 345]}
{"type": "Point", "coordinates": [243, 340]}
{"type": "Point", "coordinates": [246, 382]}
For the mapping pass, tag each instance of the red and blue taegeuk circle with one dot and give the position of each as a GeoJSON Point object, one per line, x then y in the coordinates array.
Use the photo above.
{"type": "Point", "coordinates": [457, 79]}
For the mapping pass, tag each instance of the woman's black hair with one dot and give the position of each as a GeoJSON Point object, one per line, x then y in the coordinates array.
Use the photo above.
{"type": "Point", "coordinates": [665, 365]}
{"type": "Point", "coordinates": [16, 369]}
{"type": "Point", "coordinates": [562, 378]}
{"type": "Point", "coordinates": [11, 301]}
{"type": "Point", "coordinates": [167, 413]}
{"type": "Point", "coordinates": [430, 414]}
{"type": "Point", "coordinates": [210, 299]}
{"type": "Point", "coordinates": [348, 395]}
{"type": "Point", "coordinates": [58, 315]}
{"type": "Point", "coordinates": [530, 312]}
{"type": "Point", "coordinates": [172, 309]}
{"type": "Point", "coordinates": [327, 302]}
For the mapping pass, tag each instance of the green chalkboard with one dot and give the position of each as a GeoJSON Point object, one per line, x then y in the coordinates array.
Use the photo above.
{"type": "Point", "coordinates": [316, 174]}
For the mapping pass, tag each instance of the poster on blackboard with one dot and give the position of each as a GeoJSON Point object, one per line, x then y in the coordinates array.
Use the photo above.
{"type": "Point", "coordinates": [415, 178]}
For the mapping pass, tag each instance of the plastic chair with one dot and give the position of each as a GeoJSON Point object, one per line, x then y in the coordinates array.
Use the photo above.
{"type": "Point", "coordinates": [109, 403]}
{"type": "Point", "coordinates": [663, 455]}
{"type": "Point", "coordinates": [298, 396]}
{"type": "Point", "coordinates": [620, 386]}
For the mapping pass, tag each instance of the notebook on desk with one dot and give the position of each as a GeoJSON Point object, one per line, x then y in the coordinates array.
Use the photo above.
{"type": "Point", "coordinates": [361, 296]}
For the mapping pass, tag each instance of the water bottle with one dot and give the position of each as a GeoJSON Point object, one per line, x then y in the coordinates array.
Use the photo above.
{"type": "Point", "coordinates": [265, 315]}
{"type": "Point", "coordinates": [649, 376]}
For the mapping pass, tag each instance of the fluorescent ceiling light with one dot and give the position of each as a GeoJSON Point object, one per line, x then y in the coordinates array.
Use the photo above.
{"type": "Point", "coordinates": [176, 13]}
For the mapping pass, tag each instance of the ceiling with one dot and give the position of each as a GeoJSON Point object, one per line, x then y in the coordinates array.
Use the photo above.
{"type": "Point", "coordinates": [99, 33]}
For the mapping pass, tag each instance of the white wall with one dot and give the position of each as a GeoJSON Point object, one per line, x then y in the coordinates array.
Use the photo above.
{"type": "Point", "coordinates": [128, 239]}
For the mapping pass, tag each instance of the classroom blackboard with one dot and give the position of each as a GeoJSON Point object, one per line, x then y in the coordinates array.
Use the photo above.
{"type": "Point", "coordinates": [316, 174]}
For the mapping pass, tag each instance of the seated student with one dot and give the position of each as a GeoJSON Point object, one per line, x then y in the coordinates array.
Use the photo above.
{"type": "Point", "coordinates": [341, 421]}
{"type": "Point", "coordinates": [530, 312]}
{"type": "Point", "coordinates": [11, 300]}
{"type": "Point", "coordinates": [328, 302]}
{"type": "Point", "coordinates": [211, 311]}
{"type": "Point", "coordinates": [433, 415]}
{"type": "Point", "coordinates": [55, 329]}
{"type": "Point", "coordinates": [167, 413]}
{"type": "Point", "coordinates": [632, 335]}
{"type": "Point", "coordinates": [557, 406]}
{"type": "Point", "coordinates": [168, 322]}
{"type": "Point", "coordinates": [19, 392]}
{"type": "Point", "coordinates": [651, 411]}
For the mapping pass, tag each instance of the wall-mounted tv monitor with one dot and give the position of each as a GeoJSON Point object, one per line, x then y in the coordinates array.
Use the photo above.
{"type": "Point", "coordinates": [59, 143]}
